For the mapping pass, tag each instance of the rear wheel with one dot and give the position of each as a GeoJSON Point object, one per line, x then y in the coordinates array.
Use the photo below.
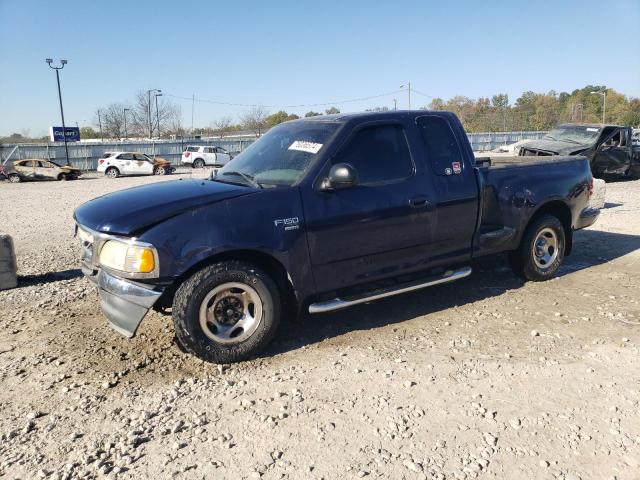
{"type": "Point", "coordinates": [112, 172]}
{"type": "Point", "coordinates": [14, 178]}
{"type": "Point", "coordinates": [198, 163]}
{"type": "Point", "coordinates": [541, 251]}
{"type": "Point", "coordinates": [226, 312]}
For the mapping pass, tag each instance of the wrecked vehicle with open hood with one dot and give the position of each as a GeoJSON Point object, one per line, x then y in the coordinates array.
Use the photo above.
{"type": "Point", "coordinates": [609, 148]}
{"type": "Point", "coordinates": [115, 164]}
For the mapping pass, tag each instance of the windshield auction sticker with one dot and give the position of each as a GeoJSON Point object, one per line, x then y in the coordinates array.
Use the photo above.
{"type": "Point", "coordinates": [303, 146]}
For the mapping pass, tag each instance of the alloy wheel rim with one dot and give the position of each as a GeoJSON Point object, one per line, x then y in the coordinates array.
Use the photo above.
{"type": "Point", "coordinates": [230, 313]}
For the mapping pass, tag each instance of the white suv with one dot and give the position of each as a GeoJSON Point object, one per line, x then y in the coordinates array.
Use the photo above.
{"type": "Point", "coordinates": [114, 164]}
{"type": "Point", "coordinates": [199, 156]}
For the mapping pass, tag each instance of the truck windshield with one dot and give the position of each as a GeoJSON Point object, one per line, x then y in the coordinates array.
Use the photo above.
{"type": "Point", "coordinates": [281, 156]}
{"type": "Point", "coordinates": [574, 133]}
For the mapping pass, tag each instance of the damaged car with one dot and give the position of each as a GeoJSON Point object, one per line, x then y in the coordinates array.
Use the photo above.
{"type": "Point", "coordinates": [609, 148]}
{"type": "Point", "coordinates": [116, 164]}
{"type": "Point", "coordinates": [39, 169]}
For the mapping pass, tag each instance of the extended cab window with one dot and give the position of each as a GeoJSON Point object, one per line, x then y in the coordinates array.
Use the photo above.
{"type": "Point", "coordinates": [440, 143]}
{"type": "Point", "coordinates": [379, 154]}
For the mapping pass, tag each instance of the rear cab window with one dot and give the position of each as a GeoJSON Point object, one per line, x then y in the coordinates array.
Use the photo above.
{"type": "Point", "coordinates": [443, 151]}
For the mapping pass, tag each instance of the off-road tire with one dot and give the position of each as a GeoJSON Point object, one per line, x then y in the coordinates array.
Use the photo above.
{"type": "Point", "coordinates": [523, 261]}
{"type": "Point", "coordinates": [112, 172]}
{"type": "Point", "coordinates": [189, 297]}
{"type": "Point", "coordinates": [198, 163]}
{"type": "Point", "coordinates": [14, 178]}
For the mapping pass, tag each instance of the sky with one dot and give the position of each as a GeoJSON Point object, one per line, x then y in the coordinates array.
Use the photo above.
{"type": "Point", "coordinates": [281, 53]}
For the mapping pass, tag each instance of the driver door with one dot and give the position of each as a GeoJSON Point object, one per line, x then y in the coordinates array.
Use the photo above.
{"type": "Point", "coordinates": [613, 155]}
{"type": "Point", "coordinates": [380, 227]}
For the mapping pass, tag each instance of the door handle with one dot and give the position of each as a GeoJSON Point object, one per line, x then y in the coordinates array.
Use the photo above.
{"type": "Point", "coordinates": [420, 202]}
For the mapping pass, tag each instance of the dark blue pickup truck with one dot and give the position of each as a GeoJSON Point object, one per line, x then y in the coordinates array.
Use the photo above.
{"type": "Point", "coordinates": [320, 214]}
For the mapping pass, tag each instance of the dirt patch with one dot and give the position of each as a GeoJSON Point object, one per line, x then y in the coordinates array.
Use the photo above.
{"type": "Point", "coordinates": [488, 377]}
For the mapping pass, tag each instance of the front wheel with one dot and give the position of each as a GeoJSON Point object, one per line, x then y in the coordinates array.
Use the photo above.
{"type": "Point", "coordinates": [541, 251]}
{"type": "Point", "coordinates": [160, 171]}
{"type": "Point", "coordinates": [226, 312]}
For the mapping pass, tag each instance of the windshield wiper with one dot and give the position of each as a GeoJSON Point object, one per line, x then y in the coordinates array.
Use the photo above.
{"type": "Point", "coordinates": [248, 178]}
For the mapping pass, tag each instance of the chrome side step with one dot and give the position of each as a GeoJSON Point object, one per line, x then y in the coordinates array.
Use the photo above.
{"type": "Point", "coordinates": [338, 303]}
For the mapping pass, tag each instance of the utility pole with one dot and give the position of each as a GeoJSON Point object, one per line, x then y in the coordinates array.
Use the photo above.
{"type": "Point", "coordinates": [408, 85]}
{"type": "Point", "coordinates": [193, 102]}
{"type": "Point", "coordinates": [64, 129]}
{"type": "Point", "coordinates": [604, 102]}
{"type": "Point", "coordinates": [158, 113]}
{"type": "Point", "coordinates": [395, 104]}
{"type": "Point", "coordinates": [100, 125]}
{"type": "Point", "coordinates": [155, 90]}
{"type": "Point", "coordinates": [125, 122]}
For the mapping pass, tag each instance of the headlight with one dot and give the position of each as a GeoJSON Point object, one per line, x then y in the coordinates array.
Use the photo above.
{"type": "Point", "coordinates": [127, 258]}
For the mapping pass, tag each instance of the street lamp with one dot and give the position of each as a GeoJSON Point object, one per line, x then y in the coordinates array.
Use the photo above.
{"type": "Point", "coordinates": [158, 113]}
{"type": "Point", "coordinates": [604, 102]}
{"type": "Point", "coordinates": [155, 90]}
{"type": "Point", "coordinates": [408, 86]}
{"type": "Point", "coordinates": [64, 130]}
{"type": "Point", "coordinates": [100, 125]}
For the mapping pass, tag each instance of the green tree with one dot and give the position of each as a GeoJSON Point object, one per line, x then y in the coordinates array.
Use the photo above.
{"type": "Point", "coordinates": [276, 118]}
{"type": "Point", "coordinates": [331, 111]}
{"type": "Point", "coordinates": [312, 114]}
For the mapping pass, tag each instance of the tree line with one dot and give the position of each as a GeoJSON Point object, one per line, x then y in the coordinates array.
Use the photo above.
{"type": "Point", "coordinates": [541, 111]}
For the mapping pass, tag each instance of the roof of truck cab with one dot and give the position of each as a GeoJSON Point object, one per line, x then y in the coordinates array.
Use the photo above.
{"type": "Point", "coordinates": [388, 115]}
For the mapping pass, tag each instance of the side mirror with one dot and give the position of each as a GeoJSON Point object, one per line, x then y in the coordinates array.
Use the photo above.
{"type": "Point", "coordinates": [341, 175]}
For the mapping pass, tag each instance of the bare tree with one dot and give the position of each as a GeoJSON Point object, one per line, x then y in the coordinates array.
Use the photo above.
{"type": "Point", "coordinates": [255, 119]}
{"type": "Point", "coordinates": [222, 126]}
{"type": "Point", "coordinates": [167, 115]}
{"type": "Point", "coordinates": [113, 120]}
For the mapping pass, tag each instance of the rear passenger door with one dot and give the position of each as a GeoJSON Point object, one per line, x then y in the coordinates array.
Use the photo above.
{"type": "Point", "coordinates": [123, 162]}
{"type": "Point", "coordinates": [454, 187]}
{"type": "Point", "coordinates": [379, 228]}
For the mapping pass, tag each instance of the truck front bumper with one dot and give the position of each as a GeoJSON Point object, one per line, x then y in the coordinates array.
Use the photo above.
{"type": "Point", "coordinates": [123, 302]}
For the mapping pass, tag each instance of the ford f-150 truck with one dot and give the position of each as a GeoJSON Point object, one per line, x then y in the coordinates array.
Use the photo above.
{"type": "Point", "coordinates": [320, 214]}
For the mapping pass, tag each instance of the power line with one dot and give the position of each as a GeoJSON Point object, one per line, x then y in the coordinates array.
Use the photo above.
{"type": "Point", "coordinates": [217, 102]}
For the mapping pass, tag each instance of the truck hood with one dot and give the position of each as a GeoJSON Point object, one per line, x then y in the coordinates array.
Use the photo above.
{"type": "Point", "coordinates": [558, 147]}
{"type": "Point", "coordinates": [128, 211]}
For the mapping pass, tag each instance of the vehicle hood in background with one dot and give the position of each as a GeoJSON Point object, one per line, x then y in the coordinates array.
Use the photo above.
{"type": "Point", "coordinates": [128, 211]}
{"type": "Point", "coordinates": [558, 147]}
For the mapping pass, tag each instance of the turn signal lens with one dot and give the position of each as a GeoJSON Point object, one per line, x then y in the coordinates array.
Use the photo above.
{"type": "Point", "coordinates": [139, 260]}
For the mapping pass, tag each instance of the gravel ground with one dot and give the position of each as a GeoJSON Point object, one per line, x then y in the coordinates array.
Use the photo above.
{"type": "Point", "coordinates": [488, 377]}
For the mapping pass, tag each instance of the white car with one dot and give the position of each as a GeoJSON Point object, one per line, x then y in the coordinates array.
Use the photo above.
{"type": "Point", "coordinates": [199, 156]}
{"type": "Point", "coordinates": [114, 164]}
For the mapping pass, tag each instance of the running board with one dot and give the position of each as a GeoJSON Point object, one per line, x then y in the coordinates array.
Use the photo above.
{"type": "Point", "coordinates": [338, 303]}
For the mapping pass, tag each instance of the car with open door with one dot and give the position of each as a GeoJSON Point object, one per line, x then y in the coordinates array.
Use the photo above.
{"type": "Point", "coordinates": [609, 148]}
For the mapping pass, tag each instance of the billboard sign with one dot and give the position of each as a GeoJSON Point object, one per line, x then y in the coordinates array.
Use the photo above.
{"type": "Point", "coordinates": [72, 133]}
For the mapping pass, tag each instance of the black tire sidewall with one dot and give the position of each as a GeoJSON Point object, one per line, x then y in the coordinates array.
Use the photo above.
{"type": "Point", "coordinates": [189, 297]}
{"type": "Point", "coordinates": [530, 270]}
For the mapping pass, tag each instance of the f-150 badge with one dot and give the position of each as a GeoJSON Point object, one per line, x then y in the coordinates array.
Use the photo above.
{"type": "Point", "coordinates": [292, 223]}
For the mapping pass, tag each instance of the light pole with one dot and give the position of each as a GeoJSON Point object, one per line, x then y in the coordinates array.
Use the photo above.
{"type": "Point", "coordinates": [408, 85]}
{"type": "Point", "coordinates": [64, 130]}
{"type": "Point", "coordinates": [155, 90]}
{"type": "Point", "coordinates": [100, 125]}
{"type": "Point", "coordinates": [125, 122]}
{"type": "Point", "coordinates": [158, 114]}
{"type": "Point", "coordinates": [604, 102]}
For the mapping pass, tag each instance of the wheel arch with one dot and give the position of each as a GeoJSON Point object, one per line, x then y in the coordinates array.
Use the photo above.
{"type": "Point", "coordinates": [262, 260]}
{"type": "Point", "coordinates": [562, 212]}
